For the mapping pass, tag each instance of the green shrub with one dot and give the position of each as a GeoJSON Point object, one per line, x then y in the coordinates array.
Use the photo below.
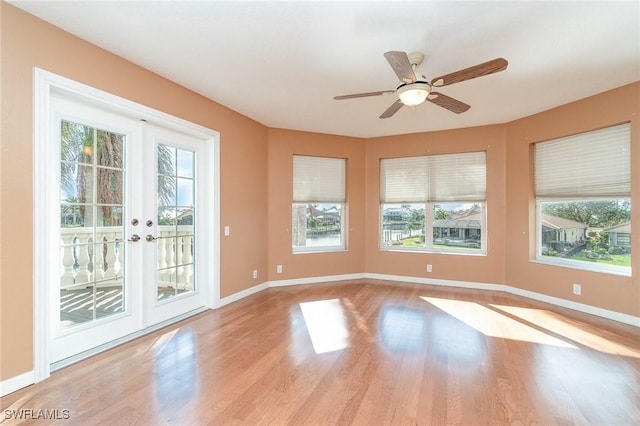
{"type": "Point", "coordinates": [618, 250]}
{"type": "Point", "coordinates": [590, 254]}
{"type": "Point", "coordinates": [556, 245]}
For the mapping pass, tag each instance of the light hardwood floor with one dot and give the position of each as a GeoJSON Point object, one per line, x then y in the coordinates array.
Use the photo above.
{"type": "Point", "coordinates": [359, 352]}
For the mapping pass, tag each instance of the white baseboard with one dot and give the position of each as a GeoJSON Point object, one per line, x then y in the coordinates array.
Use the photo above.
{"type": "Point", "coordinates": [315, 280]}
{"type": "Point", "coordinates": [281, 283]}
{"type": "Point", "coordinates": [18, 382]}
{"type": "Point", "coordinates": [580, 307]}
{"type": "Point", "coordinates": [431, 281]}
{"type": "Point", "coordinates": [242, 294]}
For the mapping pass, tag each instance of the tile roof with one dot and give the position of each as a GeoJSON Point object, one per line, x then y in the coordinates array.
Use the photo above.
{"type": "Point", "coordinates": [555, 222]}
{"type": "Point", "coordinates": [624, 228]}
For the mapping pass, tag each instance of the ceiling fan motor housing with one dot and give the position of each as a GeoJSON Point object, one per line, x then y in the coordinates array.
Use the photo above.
{"type": "Point", "coordinates": [415, 58]}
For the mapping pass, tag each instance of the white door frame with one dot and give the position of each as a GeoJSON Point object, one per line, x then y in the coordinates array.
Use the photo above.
{"type": "Point", "coordinates": [45, 225]}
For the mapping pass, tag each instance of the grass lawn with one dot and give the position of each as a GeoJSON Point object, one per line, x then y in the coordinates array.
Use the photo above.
{"type": "Point", "coordinates": [412, 242]}
{"type": "Point", "coordinates": [616, 259]}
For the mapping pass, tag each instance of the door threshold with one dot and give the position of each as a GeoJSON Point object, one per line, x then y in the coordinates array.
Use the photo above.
{"type": "Point", "coordinates": [112, 344]}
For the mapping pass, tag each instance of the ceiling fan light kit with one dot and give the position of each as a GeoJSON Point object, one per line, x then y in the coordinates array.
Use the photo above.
{"type": "Point", "coordinates": [413, 91]}
{"type": "Point", "coordinates": [413, 94]}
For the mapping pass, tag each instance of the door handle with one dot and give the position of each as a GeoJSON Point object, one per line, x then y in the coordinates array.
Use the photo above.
{"type": "Point", "coordinates": [134, 238]}
{"type": "Point", "coordinates": [150, 237]}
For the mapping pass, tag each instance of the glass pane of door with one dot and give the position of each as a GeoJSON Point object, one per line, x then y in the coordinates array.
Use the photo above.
{"type": "Point", "coordinates": [92, 176]}
{"type": "Point", "coordinates": [176, 221]}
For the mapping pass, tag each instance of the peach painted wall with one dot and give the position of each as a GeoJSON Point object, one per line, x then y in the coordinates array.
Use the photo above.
{"type": "Point", "coordinates": [256, 175]}
{"type": "Point", "coordinates": [481, 269]}
{"type": "Point", "coordinates": [283, 144]}
{"type": "Point", "coordinates": [617, 293]}
{"type": "Point", "coordinates": [28, 42]}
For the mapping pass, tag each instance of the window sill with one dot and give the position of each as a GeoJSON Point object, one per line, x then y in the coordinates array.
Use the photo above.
{"type": "Point", "coordinates": [321, 250]}
{"type": "Point", "coordinates": [611, 270]}
{"type": "Point", "coordinates": [427, 251]}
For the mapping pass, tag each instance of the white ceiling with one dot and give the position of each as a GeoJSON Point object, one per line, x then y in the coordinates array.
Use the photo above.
{"type": "Point", "coordinates": [281, 63]}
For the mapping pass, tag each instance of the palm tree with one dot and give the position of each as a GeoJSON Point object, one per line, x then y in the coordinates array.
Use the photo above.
{"type": "Point", "coordinates": [76, 155]}
{"type": "Point", "coordinates": [85, 150]}
{"type": "Point", "coordinates": [415, 221]}
{"type": "Point", "coordinates": [412, 226]}
{"type": "Point", "coordinates": [440, 213]}
{"type": "Point", "coordinates": [109, 153]}
{"type": "Point", "coordinates": [167, 186]}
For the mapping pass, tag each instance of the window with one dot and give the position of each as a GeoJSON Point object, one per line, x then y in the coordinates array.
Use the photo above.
{"type": "Point", "coordinates": [583, 189]}
{"type": "Point", "coordinates": [318, 203]}
{"type": "Point", "coordinates": [434, 203]}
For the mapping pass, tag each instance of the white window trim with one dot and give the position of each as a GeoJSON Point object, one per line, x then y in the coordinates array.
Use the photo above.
{"type": "Point", "coordinates": [44, 83]}
{"type": "Point", "coordinates": [584, 266]}
{"type": "Point", "coordinates": [569, 263]}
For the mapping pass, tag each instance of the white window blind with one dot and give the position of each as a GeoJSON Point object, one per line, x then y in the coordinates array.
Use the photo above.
{"type": "Point", "coordinates": [404, 180]}
{"type": "Point", "coordinates": [588, 165]}
{"type": "Point", "coordinates": [438, 178]}
{"type": "Point", "coordinates": [319, 179]}
{"type": "Point", "coordinates": [458, 177]}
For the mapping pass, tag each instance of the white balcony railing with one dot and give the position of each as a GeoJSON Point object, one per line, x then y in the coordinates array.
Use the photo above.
{"type": "Point", "coordinates": [85, 261]}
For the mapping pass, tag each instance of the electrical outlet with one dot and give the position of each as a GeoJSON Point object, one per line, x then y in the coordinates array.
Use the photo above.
{"type": "Point", "coordinates": [227, 231]}
{"type": "Point", "coordinates": [429, 268]}
{"type": "Point", "coordinates": [279, 269]}
{"type": "Point", "coordinates": [577, 289]}
{"type": "Point", "coordinates": [255, 273]}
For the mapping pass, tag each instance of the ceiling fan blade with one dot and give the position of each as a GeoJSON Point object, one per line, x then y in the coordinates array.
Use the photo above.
{"type": "Point", "coordinates": [363, 95]}
{"type": "Point", "coordinates": [399, 61]}
{"type": "Point", "coordinates": [490, 67]}
{"type": "Point", "coordinates": [447, 102]}
{"type": "Point", "coordinates": [395, 107]}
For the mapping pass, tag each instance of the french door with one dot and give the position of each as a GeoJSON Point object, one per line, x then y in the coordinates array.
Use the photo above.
{"type": "Point", "coordinates": [131, 211]}
{"type": "Point", "coordinates": [172, 282]}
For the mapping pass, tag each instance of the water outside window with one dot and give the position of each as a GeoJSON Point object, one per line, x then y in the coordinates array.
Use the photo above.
{"type": "Point", "coordinates": [317, 225]}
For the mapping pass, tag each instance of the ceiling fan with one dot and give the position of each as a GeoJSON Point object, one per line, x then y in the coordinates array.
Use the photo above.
{"type": "Point", "coordinates": [415, 89]}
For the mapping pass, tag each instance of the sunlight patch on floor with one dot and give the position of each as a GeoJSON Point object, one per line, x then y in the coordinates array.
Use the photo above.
{"type": "Point", "coordinates": [162, 341]}
{"type": "Point", "coordinates": [402, 329]}
{"type": "Point", "coordinates": [551, 322]}
{"type": "Point", "coordinates": [492, 323]}
{"type": "Point", "coordinates": [327, 325]}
